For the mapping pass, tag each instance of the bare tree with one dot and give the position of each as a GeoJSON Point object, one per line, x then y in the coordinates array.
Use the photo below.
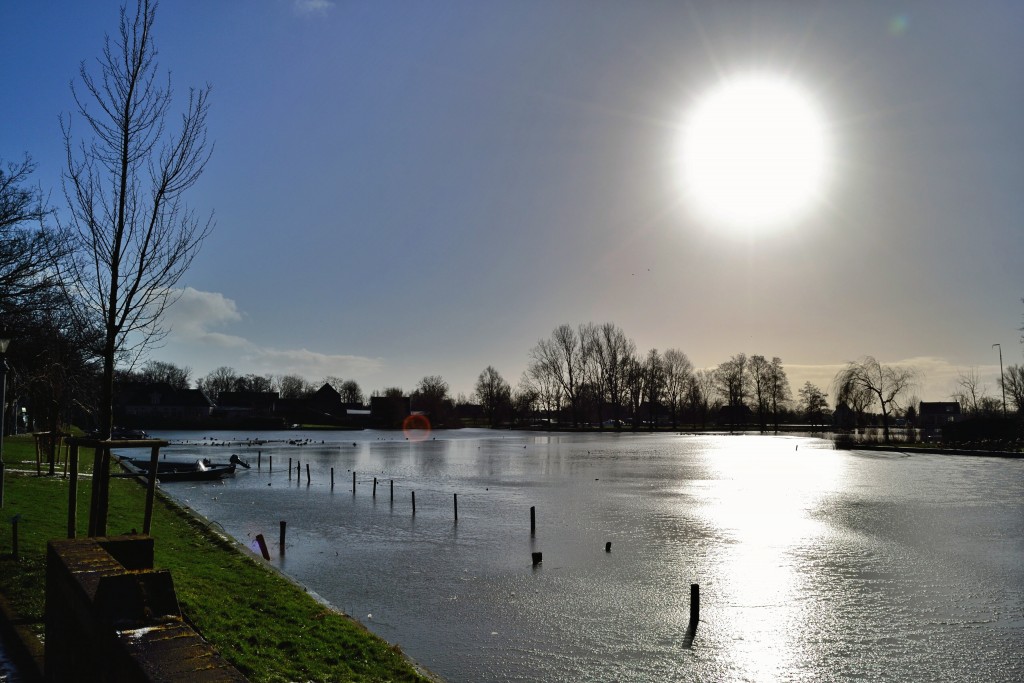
{"type": "Point", "coordinates": [733, 380]}
{"type": "Point", "coordinates": [156, 371]}
{"type": "Point", "coordinates": [654, 385]}
{"type": "Point", "coordinates": [350, 392]}
{"type": "Point", "coordinates": [813, 403]}
{"type": "Point", "coordinates": [494, 394]}
{"type": "Point", "coordinates": [217, 382]}
{"type": "Point", "coordinates": [431, 396]}
{"type": "Point", "coordinates": [779, 393]}
{"type": "Point", "coordinates": [1013, 382]}
{"type": "Point", "coordinates": [609, 349]}
{"type": "Point", "coordinates": [131, 234]}
{"type": "Point", "coordinates": [760, 381]}
{"type": "Point", "coordinates": [27, 246]}
{"type": "Point", "coordinates": [969, 392]}
{"type": "Point", "coordinates": [886, 384]}
{"type": "Point", "coordinates": [701, 394]}
{"type": "Point", "coordinates": [562, 359]}
{"type": "Point", "coordinates": [678, 370]}
{"type": "Point", "coordinates": [294, 386]}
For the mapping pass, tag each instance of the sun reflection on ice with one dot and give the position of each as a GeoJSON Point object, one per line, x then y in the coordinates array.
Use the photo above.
{"type": "Point", "coordinates": [761, 500]}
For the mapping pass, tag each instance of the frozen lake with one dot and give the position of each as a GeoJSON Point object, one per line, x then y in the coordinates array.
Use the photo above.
{"type": "Point", "coordinates": [814, 564]}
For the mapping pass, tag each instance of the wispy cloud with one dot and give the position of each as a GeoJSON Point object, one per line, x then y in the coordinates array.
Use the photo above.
{"type": "Point", "coordinates": [312, 6]}
{"type": "Point", "coordinates": [195, 317]}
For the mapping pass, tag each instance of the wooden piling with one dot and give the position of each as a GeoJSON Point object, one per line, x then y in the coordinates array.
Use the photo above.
{"type": "Point", "coordinates": [414, 502]}
{"type": "Point", "coordinates": [262, 543]}
{"type": "Point", "coordinates": [353, 481]}
{"type": "Point", "coordinates": [284, 527]}
{"type": "Point", "coordinates": [392, 490]}
{"type": "Point", "coordinates": [259, 460]}
{"type": "Point", "coordinates": [608, 547]}
{"type": "Point", "coordinates": [533, 520]}
{"type": "Point", "coordinates": [332, 478]}
{"type": "Point", "coordinates": [73, 493]}
{"type": "Point", "coordinates": [537, 558]}
{"type": "Point", "coordinates": [289, 469]}
{"type": "Point", "coordinates": [455, 497]}
{"type": "Point", "coordinates": [270, 465]}
{"type": "Point", "coordinates": [691, 629]}
{"type": "Point", "coordinates": [154, 460]}
{"type": "Point", "coordinates": [375, 487]}
{"type": "Point", "coordinates": [307, 474]}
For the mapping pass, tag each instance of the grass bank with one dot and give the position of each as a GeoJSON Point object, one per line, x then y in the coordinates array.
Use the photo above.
{"type": "Point", "coordinates": [265, 625]}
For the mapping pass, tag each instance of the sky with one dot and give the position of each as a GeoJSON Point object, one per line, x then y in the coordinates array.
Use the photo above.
{"type": "Point", "coordinates": [404, 188]}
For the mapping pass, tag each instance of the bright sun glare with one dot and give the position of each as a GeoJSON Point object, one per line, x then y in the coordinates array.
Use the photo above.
{"type": "Point", "coordinates": [755, 153]}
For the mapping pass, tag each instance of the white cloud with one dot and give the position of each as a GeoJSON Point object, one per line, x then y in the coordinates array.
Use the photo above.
{"type": "Point", "coordinates": [312, 6]}
{"type": "Point", "coordinates": [196, 315]}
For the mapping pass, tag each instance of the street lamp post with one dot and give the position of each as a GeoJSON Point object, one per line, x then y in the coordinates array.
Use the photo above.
{"type": "Point", "coordinates": [4, 342]}
{"type": "Point", "coordinates": [1002, 383]}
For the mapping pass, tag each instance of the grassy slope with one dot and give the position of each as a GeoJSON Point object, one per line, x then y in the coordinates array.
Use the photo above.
{"type": "Point", "coordinates": [265, 625]}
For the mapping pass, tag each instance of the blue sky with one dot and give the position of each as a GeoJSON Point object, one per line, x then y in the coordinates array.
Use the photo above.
{"type": "Point", "coordinates": [413, 188]}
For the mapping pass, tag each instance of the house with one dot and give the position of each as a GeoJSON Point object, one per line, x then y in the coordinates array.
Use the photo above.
{"type": "Point", "coordinates": [145, 405]}
{"type": "Point", "coordinates": [933, 415]}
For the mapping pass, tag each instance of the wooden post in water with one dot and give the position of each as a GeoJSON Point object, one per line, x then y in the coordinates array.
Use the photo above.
{"type": "Point", "coordinates": [375, 487]}
{"type": "Point", "coordinates": [298, 471]}
{"type": "Point", "coordinates": [533, 520]}
{"type": "Point", "coordinates": [154, 459]}
{"type": "Point", "coordinates": [608, 547]}
{"type": "Point", "coordinates": [73, 493]}
{"type": "Point", "coordinates": [413, 502]}
{"type": "Point", "coordinates": [332, 478]}
{"type": "Point", "coordinates": [284, 527]}
{"type": "Point", "coordinates": [392, 490]}
{"type": "Point", "coordinates": [455, 496]}
{"type": "Point", "coordinates": [262, 543]}
{"type": "Point", "coordinates": [691, 629]}
{"type": "Point", "coordinates": [270, 467]}
{"type": "Point", "coordinates": [537, 558]}
{"type": "Point", "coordinates": [259, 460]}
{"type": "Point", "coordinates": [353, 481]}
{"type": "Point", "coordinates": [307, 474]}
{"type": "Point", "coordinates": [289, 469]}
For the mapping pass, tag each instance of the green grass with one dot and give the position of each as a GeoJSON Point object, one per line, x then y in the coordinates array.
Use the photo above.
{"type": "Point", "coordinates": [265, 625]}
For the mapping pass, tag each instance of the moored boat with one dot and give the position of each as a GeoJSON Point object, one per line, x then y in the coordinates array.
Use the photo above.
{"type": "Point", "coordinates": [173, 470]}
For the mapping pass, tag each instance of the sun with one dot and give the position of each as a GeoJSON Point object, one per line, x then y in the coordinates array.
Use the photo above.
{"type": "Point", "coordinates": [755, 153]}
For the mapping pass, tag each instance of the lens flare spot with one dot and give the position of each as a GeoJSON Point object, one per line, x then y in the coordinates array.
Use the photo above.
{"type": "Point", "coordinates": [416, 427]}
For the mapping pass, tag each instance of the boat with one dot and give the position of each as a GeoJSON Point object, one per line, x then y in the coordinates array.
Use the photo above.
{"type": "Point", "coordinates": [176, 470]}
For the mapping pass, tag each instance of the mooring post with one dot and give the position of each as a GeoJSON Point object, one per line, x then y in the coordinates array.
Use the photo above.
{"type": "Point", "coordinates": [298, 471]}
{"type": "Point", "coordinates": [270, 465]}
{"type": "Point", "coordinates": [332, 478]}
{"type": "Point", "coordinates": [608, 547]}
{"type": "Point", "coordinates": [353, 481]}
{"type": "Point", "coordinates": [262, 543]}
{"type": "Point", "coordinates": [694, 604]}
{"type": "Point", "coordinates": [691, 629]}
{"type": "Point", "coordinates": [455, 496]}
{"type": "Point", "coordinates": [284, 526]}
{"type": "Point", "coordinates": [537, 558]}
{"type": "Point", "coordinates": [73, 493]}
{"type": "Point", "coordinates": [259, 460]}
{"type": "Point", "coordinates": [307, 474]}
{"type": "Point", "coordinates": [154, 459]}
{"type": "Point", "coordinates": [289, 469]}
{"type": "Point", "coordinates": [392, 490]}
{"type": "Point", "coordinates": [533, 520]}
{"type": "Point", "coordinates": [375, 487]}
{"type": "Point", "coordinates": [14, 536]}
{"type": "Point", "coordinates": [414, 502]}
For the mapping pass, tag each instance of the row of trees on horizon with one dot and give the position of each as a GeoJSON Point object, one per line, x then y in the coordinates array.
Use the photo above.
{"type": "Point", "coordinates": [85, 291]}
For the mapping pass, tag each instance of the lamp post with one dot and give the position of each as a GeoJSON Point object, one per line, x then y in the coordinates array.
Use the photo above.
{"type": "Point", "coordinates": [4, 342]}
{"type": "Point", "coordinates": [1001, 378]}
